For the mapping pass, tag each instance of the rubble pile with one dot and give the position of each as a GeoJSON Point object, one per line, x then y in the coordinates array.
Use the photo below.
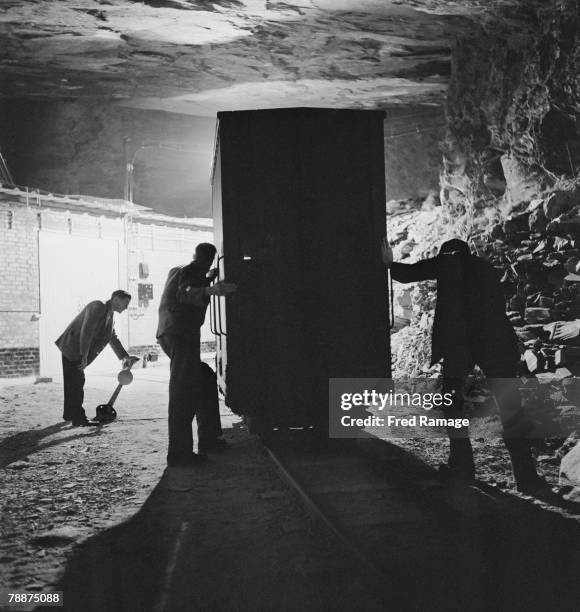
{"type": "Point", "coordinates": [536, 251]}
{"type": "Point", "coordinates": [411, 224]}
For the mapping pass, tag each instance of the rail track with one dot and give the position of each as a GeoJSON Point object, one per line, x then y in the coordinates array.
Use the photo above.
{"type": "Point", "coordinates": [423, 545]}
{"type": "Point", "coordinates": [321, 515]}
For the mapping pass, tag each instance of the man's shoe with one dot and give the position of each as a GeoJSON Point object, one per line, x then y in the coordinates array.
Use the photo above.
{"type": "Point", "coordinates": [455, 475]}
{"type": "Point", "coordinates": [191, 460]}
{"type": "Point", "coordinates": [66, 417]}
{"type": "Point", "coordinates": [460, 467]}
{"type": "Point", "coordinates": [536, 487]}
{"type": "Point", "coordinates": [217, 445]}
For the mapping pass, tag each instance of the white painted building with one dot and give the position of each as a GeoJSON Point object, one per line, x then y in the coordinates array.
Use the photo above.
{"type": "Point", "coordinates": [57, 253]}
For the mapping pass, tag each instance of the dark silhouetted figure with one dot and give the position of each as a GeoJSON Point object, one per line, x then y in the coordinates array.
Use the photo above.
{"type": "Point", "coordinates": [181, 314]}
{"type": "Point", "coordinates": [471, 327]}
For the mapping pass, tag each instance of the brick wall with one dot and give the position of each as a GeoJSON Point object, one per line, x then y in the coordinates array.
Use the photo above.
{"type": "Point", "coordinates": [19, 283]}
{"type": "Point", "coordinates": [16, 362]}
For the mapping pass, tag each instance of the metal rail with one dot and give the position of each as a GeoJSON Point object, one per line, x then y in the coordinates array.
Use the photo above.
{"type": "Point", "coordinates": [321, 517]}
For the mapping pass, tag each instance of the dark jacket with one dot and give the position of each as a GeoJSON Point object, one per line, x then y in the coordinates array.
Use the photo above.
{"type": "Point", "coordinates": [471, 325]}
{"type": "Point", "coordinates": [89, 332]}
{"type": "Point", "coordinates": [182, 309]}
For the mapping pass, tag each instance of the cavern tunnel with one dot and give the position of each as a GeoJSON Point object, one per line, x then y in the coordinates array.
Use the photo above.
{"type": "Point", "coordinates": [293, 136]}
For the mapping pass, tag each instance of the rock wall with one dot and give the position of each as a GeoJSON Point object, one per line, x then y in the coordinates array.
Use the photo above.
{"type": "Point", "coordinates": [510, 185]}
{"type": "Point", "coordinates": [79, 148]}
{"type": "Point", "coordinates": [412, 150]}
{"type": "Point", "coordinates": [513, 108]}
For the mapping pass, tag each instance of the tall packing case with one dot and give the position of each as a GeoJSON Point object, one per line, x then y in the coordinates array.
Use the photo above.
{"type": "Point", "coordinates": [299, 213]}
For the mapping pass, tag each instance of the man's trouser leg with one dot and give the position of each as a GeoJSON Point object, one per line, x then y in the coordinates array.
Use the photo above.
{"type": "Point", "coordinates": [460, 463]}
{"type": "Point", "coordinates": [516, 425]}
{"type": "Point", "coordinates": [209, 426]}
{"type": "Point", "coordinates": [183, 392]}
{"type": "Point", "coordinates": [74, 394]}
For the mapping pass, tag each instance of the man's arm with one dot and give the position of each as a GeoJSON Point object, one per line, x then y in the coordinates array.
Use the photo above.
{"type": "Point", "coordinates": [93, 313]}
{"type": "Point", "coordinates": [195, 290]}
{"type": "Point", "coordinates": [408, 273]}
{"type": "Point", "coordinates": [118, 347]}
{"type": "Point", "coordinates": [192, 296]}
{"type": "Point", "coordinates": [119, 350]}
{"type": "Point", "coordinates": [198, 296]}
{"type": "Point", "coordinates": [191, 287]}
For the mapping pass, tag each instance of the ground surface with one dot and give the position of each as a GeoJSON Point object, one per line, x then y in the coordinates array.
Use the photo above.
{"type": "Point", "coordinates": [93, 512]}
{"type": "Point", "coordinates": [73, 482]}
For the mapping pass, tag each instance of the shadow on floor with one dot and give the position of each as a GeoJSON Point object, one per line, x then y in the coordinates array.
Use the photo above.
{"type": "Point", "coordinates": [524, 554]}
{"type": "Point", "coordinates": [26, 443]}
{"type": "Point", "coordinates": [514, 555]}
{"type": "Point", "coordinates": [124, 568]}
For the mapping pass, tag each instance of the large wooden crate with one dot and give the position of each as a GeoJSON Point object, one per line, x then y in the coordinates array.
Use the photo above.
{"type": "Point", "coordinates": [299, 212]}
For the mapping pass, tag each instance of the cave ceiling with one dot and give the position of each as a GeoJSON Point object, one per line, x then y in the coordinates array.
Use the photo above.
{"type": "Point", "coordinates": [198, 56]}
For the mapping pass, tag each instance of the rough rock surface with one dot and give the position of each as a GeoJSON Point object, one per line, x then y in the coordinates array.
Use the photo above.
{"type": "Point", "coordinates": [72, 147]}
{"type": "Point", "coordinates": [79, 147]}
{"type": "Point", "coordinates": [515, 94]}
{"type": "Point", "coordinates": [199, 56]}
{"type": "Point", "coordinates": [510, 185]}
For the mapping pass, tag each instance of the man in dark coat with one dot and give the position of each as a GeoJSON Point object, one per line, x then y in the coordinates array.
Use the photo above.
{"type": "Point", "coordinates": [471, 327]}
{"type": "Point", "coordinates": [80, 343]}
{"type": "Point", "coordinates": [181, 314]}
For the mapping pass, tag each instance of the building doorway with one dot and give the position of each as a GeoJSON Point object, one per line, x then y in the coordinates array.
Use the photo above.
{"type": "Point", "coordinates": [74, 270]}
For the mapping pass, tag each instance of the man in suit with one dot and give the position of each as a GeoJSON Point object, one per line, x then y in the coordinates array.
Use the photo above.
{"type": "Point", "coordinates": [471, 327]}
{"type": "Point", "coordinates": [80, 343]}
{"type": "Point", "coordinates": [181, 314]}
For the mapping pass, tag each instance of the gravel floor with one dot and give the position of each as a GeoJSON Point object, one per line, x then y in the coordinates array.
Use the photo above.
{"type": "Point", "coordinates": [63, 488]}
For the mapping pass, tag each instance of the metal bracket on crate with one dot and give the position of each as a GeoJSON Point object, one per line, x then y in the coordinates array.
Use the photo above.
{"type": "Point", "coordinates": [391, 302]}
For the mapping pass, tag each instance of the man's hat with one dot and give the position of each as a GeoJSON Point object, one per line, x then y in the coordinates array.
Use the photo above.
{"type": "Point", "coordinates": [455, 246]}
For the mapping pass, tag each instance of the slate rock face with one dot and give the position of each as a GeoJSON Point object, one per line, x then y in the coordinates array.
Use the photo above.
{"type": "Point", "coordinates": [239, 54]}
{"type": "Point", "coordinates": [522, 185]}
{"type": "Point", "coordinates": [65, 66]}
{"type": "Point", "coordinates": [562, 203]}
